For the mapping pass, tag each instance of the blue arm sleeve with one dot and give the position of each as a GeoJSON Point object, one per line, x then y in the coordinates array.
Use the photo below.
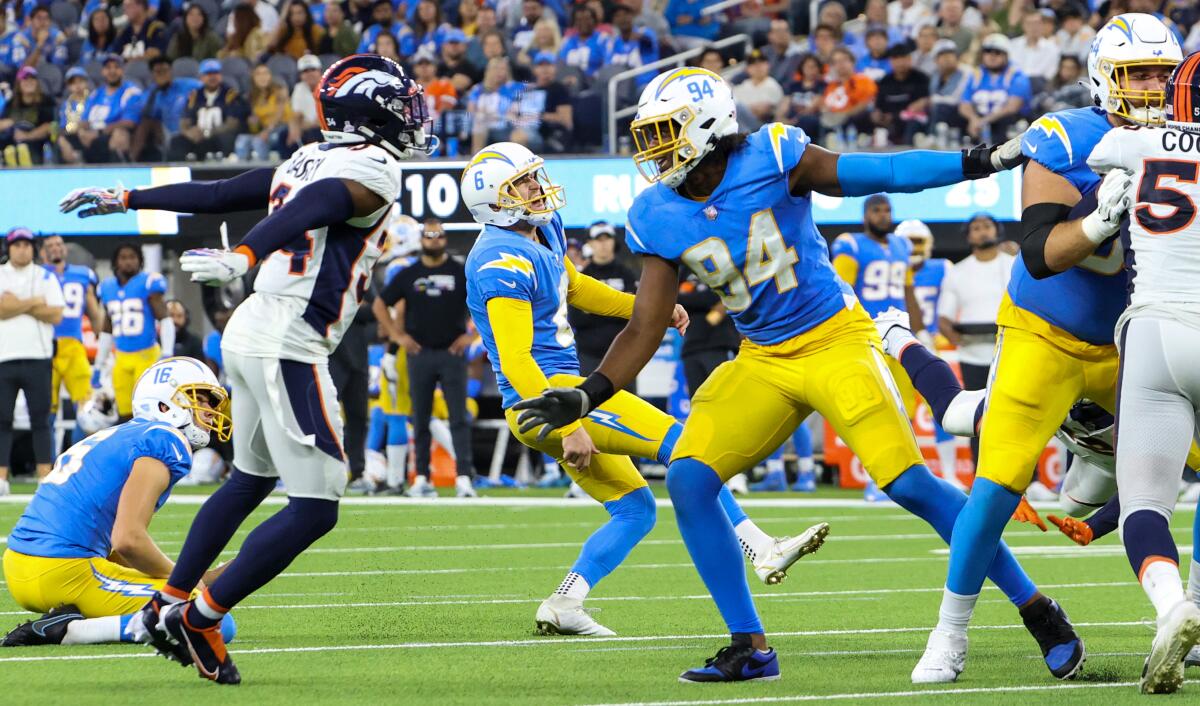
{"type": "Point", "coordinates": [244, 192]}
{"type": "Point", "coordinates": [325, 202]}
{"type": "Point", "coordinates": [862, 174]}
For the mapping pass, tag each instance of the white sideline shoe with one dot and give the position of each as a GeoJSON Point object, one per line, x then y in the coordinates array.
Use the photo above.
{"type": "Point", "coordinates": [421, 488]}
{"type": "Point", "coordinates": [944, 659]}
{"type": "Point", "coordinates": [560, 615]}
{"type": "Point", "coordinates": [463, 488]}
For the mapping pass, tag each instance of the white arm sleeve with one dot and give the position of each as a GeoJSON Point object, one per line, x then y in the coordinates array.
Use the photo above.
{"type": "Point", "coordinates": [166, 336]}
{"type": "Point", "coordinates": [104, 348]}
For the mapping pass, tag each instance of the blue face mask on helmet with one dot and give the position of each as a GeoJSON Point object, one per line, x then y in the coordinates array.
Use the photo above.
{"type": "Point", "coordinates": [368, 98]}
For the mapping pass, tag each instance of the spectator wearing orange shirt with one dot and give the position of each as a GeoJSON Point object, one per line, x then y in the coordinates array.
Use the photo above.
{"type": "Point", "coordinates": [441, 99]}
{"type": "Point", "coordinates": [848, 95]}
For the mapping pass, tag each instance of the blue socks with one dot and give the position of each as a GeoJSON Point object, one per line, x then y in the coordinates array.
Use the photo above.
{"type": "Point", "coordinates": [397, 429]}
{"type": "Point", "coordinates": [272, 546]}
{"type": "Point", "coordinates": [945, 509]}
{"type": "Point", "coordinates": [802, 440]}
{"type": "Point", "coordinates": [1145, 534]}
{"type": "Point", "coordinates": [695, 492]}
{"type": "Point", "coordinates": [632, 518]}
{"type": "Point", "coordinates": [215, 524]}
{"type": "Point", "coordinates": [733, 511]}
{"type": "Point", "coordinates": [976, 547]}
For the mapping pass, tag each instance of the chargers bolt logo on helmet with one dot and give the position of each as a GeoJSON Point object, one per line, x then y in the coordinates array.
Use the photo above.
{"type": "Point", "coordinates": [184, 393]}
{"type": "Point", "coordinates": [681, 115]}
{"type": "Point", "coordinates": [490, 190]}
{"type": "Point", "coordinates": [1124, 45]}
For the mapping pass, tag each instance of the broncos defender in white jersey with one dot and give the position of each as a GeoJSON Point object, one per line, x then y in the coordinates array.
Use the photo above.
{"type": "Point", "coordinates": [1153, 173]}
{"type": "Point", "coordinates": [328, 205]}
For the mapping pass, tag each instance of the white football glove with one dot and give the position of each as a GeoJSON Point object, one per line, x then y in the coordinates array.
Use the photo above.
{"type": "Point", "coordinates": [105, 201]}
{"type": "Point", "coordinates": [214, 267]}
{"type": "Point", "coordinates": [1113, 199]}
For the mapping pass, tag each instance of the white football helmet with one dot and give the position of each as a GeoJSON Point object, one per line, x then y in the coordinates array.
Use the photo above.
{"type": "Point", "coordinates": [1127, 41]}
{"type": "Point", "coordinates": [489, 187]}
{"type": "Point", "coordinates": [184, 393]}
{"type": "Point", "coordinates": [403, 232]}
{"type": "Point", "coordinates": [99, 412]}
{"type": "Point", "coordinates": [681, 115]}
{"type": "Point", "coordinates": [921, 238]}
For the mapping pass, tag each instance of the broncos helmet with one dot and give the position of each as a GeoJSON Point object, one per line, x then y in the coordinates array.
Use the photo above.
{"type": "Point", "coordinates": [368, 98]}
{"type": "Point", "coordinates": [1183, 95]}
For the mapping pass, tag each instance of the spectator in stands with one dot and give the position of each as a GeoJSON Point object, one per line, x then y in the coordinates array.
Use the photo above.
{"type": "Point", "coordinates": [26, 121]}
{"type": "Point", "coordinates": [304, 127]}
{"type": "Point", "coordinates": [360, 13]}
{"type": "Point", "coordinates": [802, 104]}
{"type": "Point", "coordinates": [875, 17]}
{"type": "Point", "coordinates": [998, 93]}
{"type": "Point", "coordinates": [909, 15]}
{"type": "Point", "coordinates": [713, 60]}
{"type": "Point", "coordinates": [925, 57]}
{"type": "Point", "coordinates": [186, 342]}
{"type": "Point", "coordinates": [493, 106]}
{"type": "Point", "coordinates": [822, 43]}
{"type": "Point", "coordinates": [833, 14]}
{"type": "Point", "coordinates": [902, 104]}
{"type": "Point", "coordinates": [783, 52]}
{"type": "Point", "coordinates": [162, 107]}
{"type": "Point", "coordinates": [340, 37]}
{"type": "Point", "coordinates": [947, 85]}
{"type": "Point", "coordinates": [950, 25]}
{"type": "Point", "coordinates": [546, 40]}
{"type": "Point", "coordinates": [759, 93]}
{"type": "Point", "coordinates": [111, 113]}
{"type": "Point", "coordinates": [298, 34]}
{"type": "Point", "coordinates": [383, 19]}
{"type": "Point", "coordinates": [485, 22]}
{"type": "Point", "coordinates": [583, 47]}
{"type": "Point", "coordinates": [441, 100]}
{"type": "Point", "coordinates": [32, 304]}
{"type": "Point", "coordinates": [428, 28]}
{"type": "Point", "coordinates": [267, 121]}
{"type": "Point", "coordinates": [532, 12]}
{"type": "Point", "coordinates": [247, 40]}
{"type": "Point", "coordinates": [1036, 54]}
{"type": "Point", "coordinates": [144, 37]}
{"type": "Point", "coordinates": [195, 39]}
{"type": "Point", "coordinates": [387, 47]}
{"type": "Point", "coordinates": [492, 46]}
{"type": "Point", "coordinates": [549, 100]}
{"type": "Point", "coordinates": [1065, 91]}
{"type": "Point", "coordinates": [268, 16]}
{"type": "Point", "coordinates": [629, 46]}
{"type": "Point", "coordinates": [71, 115]}
{"type": "Point", "coordinates": [1075, 35]}
{"type": "Point", "coordinates": [101, 36]}
{"type": "Point", "coordinates": [594, 333]}
{"type": "Point", "coordinates": [39, 41]}
{"type": "Point", "coordinates": [468, 17]}
{"type": "Point", "coordinates": [213, 119]}
{"type": "Point", "coordinates": [874, 64]}
{"type": "Point", "coordinates": [848, 95]}
{"type": "Point", "coordinates": [454, 65]}
{"type": "Point", "coordinates": [7, 37]}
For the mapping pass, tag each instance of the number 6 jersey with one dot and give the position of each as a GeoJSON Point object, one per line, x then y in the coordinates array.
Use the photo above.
{"type": "Point", "coordinates": [1163, 233]}
{"type": "Point", "coordinates": [306, 294]}
{"type": "Point", "coordinates": [751, 240]}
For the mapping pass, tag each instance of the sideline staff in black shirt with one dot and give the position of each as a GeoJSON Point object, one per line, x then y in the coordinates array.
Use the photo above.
{"type": "Point", "coordinates": [594, 334]}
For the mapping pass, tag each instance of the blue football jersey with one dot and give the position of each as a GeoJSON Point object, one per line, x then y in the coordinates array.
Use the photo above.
{"type": "Point", "coordinates": [75, 281]}
{"type": "Point", "coordinates": [504, 263]}
{"type": "Point", "coordinates": [72, 513]}
{"type": "Point", "coordinates": [882, 269]}
{"type": "Point", "coordinates": [751, 241]}
{"type": "Point", "coordinates": [128, 308]}
{"type": "Point", "coordinates": [395, 267]}
{"type": "Point", "coordinates": [1086, 300]}
{"type": "Point", "coordinates": [989, 91]}
{"type": "Point", "coordinates": [927, 287]}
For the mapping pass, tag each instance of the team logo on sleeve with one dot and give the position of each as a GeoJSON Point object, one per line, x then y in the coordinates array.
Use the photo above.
{"type": "Point", "coordinates": [1053, 127]}
{"type": "Point", "coordinates": [510, 263]}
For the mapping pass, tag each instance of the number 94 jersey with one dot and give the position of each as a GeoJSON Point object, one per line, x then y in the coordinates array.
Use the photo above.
{"type": "Point", "coordinates": [503, 263]}
{"type": "Point", "coordinates": [128, 308]}
{"type": "Point", "coordinates": [1163, 233]}
{"type": "Point", "coordinates": [751, 241]}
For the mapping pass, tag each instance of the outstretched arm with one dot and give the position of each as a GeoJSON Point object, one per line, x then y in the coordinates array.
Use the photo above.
{"type": "Point", "coordinates": [244, 192]}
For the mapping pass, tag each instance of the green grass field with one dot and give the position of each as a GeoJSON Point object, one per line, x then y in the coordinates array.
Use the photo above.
{"type": "Point", "coordinates": [434, 603]}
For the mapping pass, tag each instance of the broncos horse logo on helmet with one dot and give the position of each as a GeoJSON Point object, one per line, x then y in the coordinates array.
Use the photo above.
{"type": "Point", "coordinates": [368, 98]}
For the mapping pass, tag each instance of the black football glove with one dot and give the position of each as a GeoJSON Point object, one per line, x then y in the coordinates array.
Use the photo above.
{"type": "Point", "coordinates": [984, 160]}
{"type": "Point", "coordinates": [553, 409]}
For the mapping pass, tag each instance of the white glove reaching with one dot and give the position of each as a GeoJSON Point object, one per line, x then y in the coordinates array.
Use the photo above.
{"type": "Point", "coordinates": [214, 267]}
{"type": "Point", "coordinates": [105, 201]}
{"type": "Point", "coordinates": [1113, 199]}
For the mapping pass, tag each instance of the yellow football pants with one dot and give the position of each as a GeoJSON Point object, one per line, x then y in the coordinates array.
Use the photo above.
{"type": "Point", "coordinates": [127, 368]}
{"type": "Point", "coordinates": [70, 367]}
{"type": "Point", "coordinates": [393, 396]}
{"type": "Point", "coordinates": [97, 586]}
{"type": "Point", "coordinates": [748, 406]}
{"type": "Point", "coordinates": [624, 426]}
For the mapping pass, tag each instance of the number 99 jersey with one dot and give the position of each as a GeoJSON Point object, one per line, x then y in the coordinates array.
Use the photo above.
{"type": "Point", "coordinates": [883, 269]}
{"type": "Point", "coordinates": [128, 309]}
{"type": "Point", "coordinates": [503, 263]}
{"type": "Point", "coordinates": [751, 241]}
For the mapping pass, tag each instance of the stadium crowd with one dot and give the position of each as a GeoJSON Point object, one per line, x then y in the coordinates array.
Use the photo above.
{"type": "Point", "coordinates": [154, 80]}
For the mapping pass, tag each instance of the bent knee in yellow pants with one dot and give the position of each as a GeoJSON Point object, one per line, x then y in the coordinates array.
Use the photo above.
{"type": "Point", "coordinates": [70, 367]}
{"type": "Point", "coordinates": [127, 368]}
{"type": "Point", "coordinates": [98, 587]}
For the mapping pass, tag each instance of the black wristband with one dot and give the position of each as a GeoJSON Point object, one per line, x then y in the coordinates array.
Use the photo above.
{"type": "Point", "coordinates": [393, 347]}
{"type": "Point", "coordinates": [977, 162]}
{"type": "Point", "coordinates": [598, 388]}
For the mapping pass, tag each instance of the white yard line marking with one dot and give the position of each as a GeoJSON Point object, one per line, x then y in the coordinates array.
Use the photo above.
{"type": "Point", "coordinates": [543, 642]}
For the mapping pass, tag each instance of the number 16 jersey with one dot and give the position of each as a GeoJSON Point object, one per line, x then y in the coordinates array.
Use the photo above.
{"type": "Point", "coordinates": [751, 240]}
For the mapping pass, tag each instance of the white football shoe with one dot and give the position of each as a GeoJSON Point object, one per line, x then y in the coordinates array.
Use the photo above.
{"type": "Point", "coordinates": [562, 615]}
{"type": "Point", "coordinates": [893, 326]}
{"type": "Point", "coordinates": [773, 565]}
{"type": "Point", "coordinates": [1176, 636]}
{"type": "Point", "coordinates": [421, 488]}
{"type": "Point", "coordinates": [4, 487]}
{"type": "Point", "coordinates": [738, 485]}
{"type": "Point", "coordinates": [576, 491]}
{"type": "Point", "coordinates": [944, 659]}
{"type": "Point", "coordinates": [463, 488]}
{"type": "Point", "coordinates": [1037, 491]}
